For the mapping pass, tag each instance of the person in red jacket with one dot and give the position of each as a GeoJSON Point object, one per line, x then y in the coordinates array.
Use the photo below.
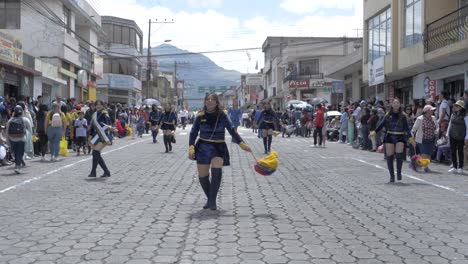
{"type": "Point", "coordinates": [319, 122]}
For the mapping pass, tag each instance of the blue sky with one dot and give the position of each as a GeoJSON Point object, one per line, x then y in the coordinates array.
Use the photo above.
{"type": "Point", "coordinates": [207, 25]}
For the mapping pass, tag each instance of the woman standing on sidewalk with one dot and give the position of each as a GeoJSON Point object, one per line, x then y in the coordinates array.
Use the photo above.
{"type": "Point", "coordinates": [426, 130]}
{"type": "Point", "coordinates": [458, 136]}
{"type": "Point", "coordinates": [397, 133]}
{"type": "Point", "coordinates": [41, 130]}
{"type": "Point", "coordinates": [55, 125]}
{"type": "Point", "coordinates": [211, 150]}
{"type": "Point", "coordinates": [268, 122]}
{"type": "Point", "coordinates": [169, 123]}
{"type": "Point", "coordinates": [16, 128]}
{"type": "Point", "coordinates": [100, 126]}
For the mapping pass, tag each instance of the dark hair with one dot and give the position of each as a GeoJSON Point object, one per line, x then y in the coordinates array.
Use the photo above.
{"type": "Point", "coordinates": [445, 94]}
{"type": "Point", "coordinates": [319, 105]}
{"type": "Point", "coordinates": [64, 109]}
{"type": "Point", "coordinates": [218, 108]}
{"type": "Point", "coordinates": [99, 102]}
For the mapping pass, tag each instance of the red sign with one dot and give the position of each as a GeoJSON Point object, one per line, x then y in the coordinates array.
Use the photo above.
{"type": "Point", "coordinates": [433, 89]}
{"type": "Point", "coordinates": [298, 84]}
{"type": "Point", "coordinates": [391, 92]}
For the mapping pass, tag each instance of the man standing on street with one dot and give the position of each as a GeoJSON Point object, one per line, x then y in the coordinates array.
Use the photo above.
{"type": "Point", "coordinates": [319, 122]}
{"type": "Point", "coordinates": [183, 117]}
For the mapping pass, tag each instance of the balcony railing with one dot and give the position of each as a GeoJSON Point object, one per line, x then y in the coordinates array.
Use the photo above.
{"type": "Point", "coordinates": [447, 30]}
{"type": "Point", "coordinates": [86, 59]}
{"type": "Point", "coordinates": [295, 76]}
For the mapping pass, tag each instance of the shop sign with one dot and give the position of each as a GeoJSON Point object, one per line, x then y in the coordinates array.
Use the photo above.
{"type": "Point", "coordinates": [376, 70]}
{"type": "Point", "coordinates": [338, 87]}
{"type": "Point", "coordinates": [391, 91]}
{"type": "Point", "coordinates": [254, 79]}
{"type": "Point", "coordinates": [68, 73]}
{"type": "Point", "coordinates": [298, 84]}
{"type": "Point", "coordinates": [11, 48]}
{"type": "Point", "coordinates": [430, 88]}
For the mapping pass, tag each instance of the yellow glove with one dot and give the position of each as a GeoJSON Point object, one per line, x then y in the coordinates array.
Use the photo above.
{"type": "Point", "coordinates": [191, 149]}
{"type": "Point", "coordinates": [373, 133]}
{"type": "Point", "coordinates": [244, 146]}
{"type": "Point", "coordinates": [411, 141]}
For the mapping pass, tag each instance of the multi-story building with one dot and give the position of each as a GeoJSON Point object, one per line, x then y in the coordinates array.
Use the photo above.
{"type": "Point", "coordinates": [59, 38]}
{"type": "Point", "coordinates": [416, 48]}
{"type": "Point", "coordinates": [296, 68]}
{"type": "Point", "coordinates": [122, 44]}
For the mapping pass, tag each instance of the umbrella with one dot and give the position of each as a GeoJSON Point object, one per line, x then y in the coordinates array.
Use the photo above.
{"type": "Point", "coordinates": [333, 113]}
{"type": "Point", "coordinates": [318, 101]}
{"type": "Point", "coordinates": [151, 101]}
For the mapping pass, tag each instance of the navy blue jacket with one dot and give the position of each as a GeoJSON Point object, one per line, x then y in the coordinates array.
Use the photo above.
{"type": "Point", "coordinates": [205, 125]}
{"type": "Point", "coordinates": [154, 117]}
{"type": "Point", "coordinates": [103, 119]}
{"type": "Point", "coordinates": [168, 117]}
{"type": "Point", "coordinates": [395, 122]}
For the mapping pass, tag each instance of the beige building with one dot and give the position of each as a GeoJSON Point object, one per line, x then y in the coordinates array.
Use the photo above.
{"type": "Point", "coordinates": [415, 48]}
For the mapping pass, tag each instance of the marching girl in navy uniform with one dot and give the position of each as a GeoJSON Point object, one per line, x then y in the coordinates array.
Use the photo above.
{"type": "Point", "coordinates": [154, 117]}
{"type": "Point", "coordinates": [268, 122]}
{"type": "Point", "coordinates": [168, 123]}
{"type": "Point", "coordinates": [210, 151]}
{"type": "Point", "coordinates": [100, 126]}
{"type": "Point", "coordinates": [397, 133]}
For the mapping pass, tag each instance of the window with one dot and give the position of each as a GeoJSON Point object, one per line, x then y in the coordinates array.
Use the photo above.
{"type": "Point", "coordinates": [117, 34]}
{"type": "Point", "coordinates": [126, 35]}
{"type": "Point", "coordinates": [67, 19]}
{"type": "Point", "coordinates": [379, 30]}
{"type": "Point", "coordinates": [108, 29]}
{"type": "Point", "coordinates": [10, 14]}
{"type": "Point", "coordinates": [309, 67]}
{"type": "Point", "coordinates": [413, 22]}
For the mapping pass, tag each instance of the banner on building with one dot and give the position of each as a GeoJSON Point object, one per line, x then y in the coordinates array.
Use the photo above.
{"type": "Point", "coordinates": [254, 79]}
{"type": "Point", "coordinates": [430, 88]}
{"type": "Point", "coordinates": [376, 70]}
{"type": "Point", "coordinates": [298, 84]}
{"type": "Point", "coordinates": [11, 48]}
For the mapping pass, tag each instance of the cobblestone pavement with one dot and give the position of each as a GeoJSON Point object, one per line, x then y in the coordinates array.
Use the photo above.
{"type": "Point", "coordinates": [323, 205]}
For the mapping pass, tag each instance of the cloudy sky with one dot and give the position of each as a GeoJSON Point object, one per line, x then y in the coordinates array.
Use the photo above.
{"type": "Point", "coordinates": [206, 25]}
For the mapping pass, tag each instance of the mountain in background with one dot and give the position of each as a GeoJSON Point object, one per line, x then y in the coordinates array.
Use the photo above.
{"type": "Point", "coordinates": [194, 69]}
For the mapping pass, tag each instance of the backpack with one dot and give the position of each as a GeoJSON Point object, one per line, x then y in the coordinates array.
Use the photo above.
{"type": "Point", "coordinates": [56, 120]}
{"type": "Point", "coordinates": [16, 128]}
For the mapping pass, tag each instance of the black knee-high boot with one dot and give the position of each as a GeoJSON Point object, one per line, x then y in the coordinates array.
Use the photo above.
{"type": "Point", "coordinates": [205, 184]}
{"type": "Point", "coordinates": [216, 174]}
{"type": "Point", "coordinates": [96, 156]}
{"type": "Point", "coordinates": [169, 142]}
{"type": "Point", "coordinates": [166, 143]}
{"type": "Point", "coordinates": [270, 139]}
{"type": "Point", "coordinates": [399, 163]}
{"type": "Point", "coordinates": [391, 170]}
{"type": "Point", "coordinates": [265, 144]}
{"type": "Point", "coordinates": [103, 165]}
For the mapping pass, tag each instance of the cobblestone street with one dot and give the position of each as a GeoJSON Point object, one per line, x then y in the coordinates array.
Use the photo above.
{"type": "Point", "coordinates": [323, 205]}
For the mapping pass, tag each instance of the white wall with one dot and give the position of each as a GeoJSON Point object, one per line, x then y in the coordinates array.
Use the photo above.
{"type": "Point", "coordinates": [439, 75]}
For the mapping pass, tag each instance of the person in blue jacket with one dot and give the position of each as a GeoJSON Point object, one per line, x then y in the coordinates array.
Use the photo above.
{"type": "Point", "coordinates": [268, 121]}
{"type": "Point", "coordinates": [211, 150]}
{"type": "Point", "coordinates": [99, 138]}
{"type": "Point", "coordinates": [397, 133]}
{"type": "Point", "coordinates": [168, 123]}
{"type": "Point", "coordinates": [235, 114]}
{"type": "Point", "coordinates": [154, 117]}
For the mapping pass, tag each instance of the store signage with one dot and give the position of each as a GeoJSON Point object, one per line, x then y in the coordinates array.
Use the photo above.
{"type": "Point", "coordinates": [68, 73]}
{"type": "Point", "coordinates": [254, 79]}
{"type": "Point", "coordinates": [212, 89]}
{"type": "Point", "coordinates": [338, 87]}
{"type": "Point", "coordinates": [11, 48]}
{"type": "Point", "coordinates": [299, 84]}
{"type": "Point", "coordinates": [430, 88]}
{"type": "Point", "coordinates": [376, 70]}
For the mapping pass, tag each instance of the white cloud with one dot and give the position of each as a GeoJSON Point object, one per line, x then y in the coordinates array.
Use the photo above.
{"type": "Point", "coordinates": [212, 30]}
{"type": "Point", "coordinates": [206, 3]}
{"type": "Point", "coordinates": [309, 6]}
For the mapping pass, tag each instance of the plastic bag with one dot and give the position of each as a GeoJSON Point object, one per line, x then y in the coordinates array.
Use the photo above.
{"type": "Point", "coordinates": [63, 147]}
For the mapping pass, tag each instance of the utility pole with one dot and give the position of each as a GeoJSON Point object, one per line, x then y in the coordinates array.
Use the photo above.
{"type": "Point", "coordinates": [149, 66]}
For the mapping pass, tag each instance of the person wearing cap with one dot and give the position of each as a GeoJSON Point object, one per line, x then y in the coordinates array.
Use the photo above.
{"type": "Point", "coordinates": [397, 133]}
{"type": "Point", "coordinates": [426, 129]}
{"type": "Point", "coordinates": [16, 132]}
{"type": "Point", "coordinates": [458, 136]}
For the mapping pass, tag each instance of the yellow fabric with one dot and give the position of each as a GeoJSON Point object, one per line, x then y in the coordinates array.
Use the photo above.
{"type": "Point", "coordinates": [411, 141]}
{"type": "Point", "coordinates": [423, 162]}
{"type": "Point", "coordinates": [191, 149]}
{"type": "Point", "coordinates": [276, 133]}
{"type": "Point", "coordinates": [243, 146]}
{"type": "Point", "coordinates": [64, 119]}
{"type": "Point", "coordinates": [63, 147]}
{"type": "Point", "coordinates": [34, 138]}
{"type": "Point", "coordinates": [271, 161]}
{"type": "Point", "coordinates": [373, 133]}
